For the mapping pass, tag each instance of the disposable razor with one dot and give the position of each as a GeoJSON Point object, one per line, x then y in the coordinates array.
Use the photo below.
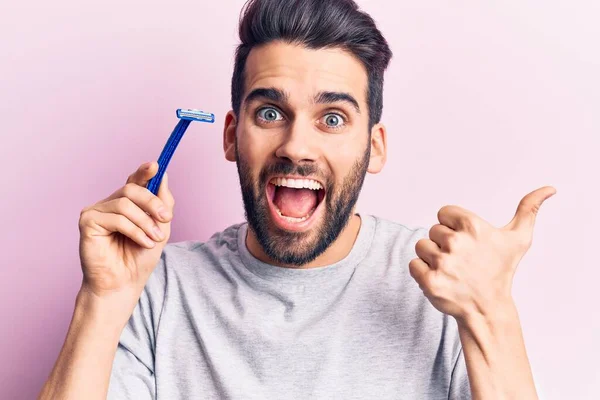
{"type": "Point", "coordinates": [185, 117]}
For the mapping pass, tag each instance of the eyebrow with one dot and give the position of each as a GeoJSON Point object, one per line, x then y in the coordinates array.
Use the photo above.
{"type": "Point", "coordinates": [279, 96]}
{"type": "Point", "coordinates": [334, 97]}
{"type": "Point", "coordinates": [272, 94]}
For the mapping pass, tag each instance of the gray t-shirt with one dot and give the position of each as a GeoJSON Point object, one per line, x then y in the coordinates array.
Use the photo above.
{"type": "Point", "coordinates": [214, 322]}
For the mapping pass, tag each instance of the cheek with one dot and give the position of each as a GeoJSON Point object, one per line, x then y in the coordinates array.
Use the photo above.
{"type": "Point", "coordinates": [258, 144]}
{"type": "Point", "coordinates": [254, 151]}
{"type": "Point", "coordinates": [339, 178]}
{"type": "Point", "coordinates": [251, 146]}
{"type": "Point", "coordinates": [342, 158]}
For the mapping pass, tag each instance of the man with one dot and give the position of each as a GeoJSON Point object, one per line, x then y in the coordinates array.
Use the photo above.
{"type": "Point", "coordinates": [308, 299]}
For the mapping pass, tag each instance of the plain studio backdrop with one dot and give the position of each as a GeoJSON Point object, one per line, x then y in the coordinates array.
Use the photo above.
{"type": "Point", "coordinates": [484, 102]}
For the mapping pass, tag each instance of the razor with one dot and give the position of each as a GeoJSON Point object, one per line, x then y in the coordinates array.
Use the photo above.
{"type": "Point", "coordinates": [186, 116]}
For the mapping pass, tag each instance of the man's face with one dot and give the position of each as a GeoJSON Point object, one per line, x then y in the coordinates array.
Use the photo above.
{"type": "Point", "coordinates": [304, 115]}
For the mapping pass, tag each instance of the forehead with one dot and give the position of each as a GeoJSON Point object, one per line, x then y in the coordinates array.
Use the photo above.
{"type": "Point", "coordinates": [304, 72]}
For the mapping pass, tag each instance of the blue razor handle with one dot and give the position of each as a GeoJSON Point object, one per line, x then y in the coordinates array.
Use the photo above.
{"type": "Point", "coordinates": [185, 117]}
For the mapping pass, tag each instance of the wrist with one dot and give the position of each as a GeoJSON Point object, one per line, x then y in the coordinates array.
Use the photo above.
{"type": "Point", "coordinates": [495, 353]}
{"type": "Point", "coordinates": [494, 316]}
{"type": "Point", "coordinates": [107, 315]}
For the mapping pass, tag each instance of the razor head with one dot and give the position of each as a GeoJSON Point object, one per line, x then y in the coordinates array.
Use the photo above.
{"type": "Point", "coordinates": [195, 115]}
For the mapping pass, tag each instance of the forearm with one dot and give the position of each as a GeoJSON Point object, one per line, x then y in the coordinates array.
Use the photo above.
{"type": "Point", "coordinates": [83, 367]}
{"type": "Point", "coordinates": [495, 356]}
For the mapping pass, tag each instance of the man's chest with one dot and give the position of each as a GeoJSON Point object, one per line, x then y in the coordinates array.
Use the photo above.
{"type": "Point", "coordinates": [288, 349]}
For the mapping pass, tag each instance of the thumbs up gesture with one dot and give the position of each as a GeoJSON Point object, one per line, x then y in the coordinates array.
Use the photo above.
{"type": "Point", "coordinates": [466, 266]}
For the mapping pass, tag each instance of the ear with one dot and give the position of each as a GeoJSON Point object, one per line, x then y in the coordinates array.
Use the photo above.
{"type": "Point", "coordinates": [229, 136]}
{"type": "Point", "coordinates": [378, 149]}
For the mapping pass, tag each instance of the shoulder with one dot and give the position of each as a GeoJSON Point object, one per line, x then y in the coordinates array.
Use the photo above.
{"type": "Point", "coordinates": [430, 329]}
{"type": "Point", "coordinates": [226, 238]}
{"type": "Point", "coordinates": [185, 259]}
{"type": "Point", "coordinates": [392, 237]}
{"type": "Point", "coordinates": [388, 267]}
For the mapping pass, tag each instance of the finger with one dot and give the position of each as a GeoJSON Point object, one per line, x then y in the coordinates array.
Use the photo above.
{"type": "Point", "coordinates": [450, 216]}
{"type": "Point", "coordinates": [528, 208]}
{"type": "Point", "coordinates": [140, 177]}
{"type": "Point", "coordinates": [443, 237]}
{"type": "Point", "coordinates": [119, 223]}
{"type": "Point", "coordinates": [144, 199]}
{"type": "Point", "coordinates": [457, 218]}
{"type": "Point", "coordinates": [143, 174]}
{"type": "Point", "coordinates": [420, 271]}
{"type": "Point", "coordinates": [165, 195]}
{"type": "Point", "coordinates": [428, 251]}
{"type": "Point", "coordinates": [124, 206]}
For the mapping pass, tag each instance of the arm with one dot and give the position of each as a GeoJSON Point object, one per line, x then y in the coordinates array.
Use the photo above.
{"type": "Point", "coordinates": [84, 364]}
{"type": "Point", "coordinates": [495, 356]}
{"type": "Point", "coordinates": [465, 269]}
{"type": "Point", "coordinates": [121, 241]}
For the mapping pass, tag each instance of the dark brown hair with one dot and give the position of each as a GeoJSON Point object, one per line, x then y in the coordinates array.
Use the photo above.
{"type": "Point", "coordinates": [314, 24]}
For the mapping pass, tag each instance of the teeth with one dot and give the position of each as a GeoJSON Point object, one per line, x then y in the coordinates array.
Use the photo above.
{"type": "Point", "coordinates": [297, 183]}
{"type": "Point", "coordinates": [293, 219]}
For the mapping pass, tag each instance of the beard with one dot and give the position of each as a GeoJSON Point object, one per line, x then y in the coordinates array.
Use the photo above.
{"type": "Point", "coordinates": [299, 248]}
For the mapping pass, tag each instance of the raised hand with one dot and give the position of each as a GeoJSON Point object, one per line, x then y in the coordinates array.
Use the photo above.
{"type": "Point", "coordinates": [466, 266]}
{"type": "Point", "coordinates": [122, 236]}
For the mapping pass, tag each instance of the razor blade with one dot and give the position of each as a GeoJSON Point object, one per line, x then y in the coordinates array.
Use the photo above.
{"type": "Point", "coordinates": [186, 116]}
{"type": "Point", "coordinates": [195, 115]}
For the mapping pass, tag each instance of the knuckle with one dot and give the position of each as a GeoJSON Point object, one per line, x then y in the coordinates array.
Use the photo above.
{"type": "Point", "coordinates": [438, 259]}
{"type": "Point", "coordinates": [420, 244]}
{"type": "Point", "coordinates": [432, 284]}
{"type": "Point", "coordinates": [452, 241]}
{"type": "Point", "coordinates": [123, 205]}
{"type": "Point", "coordinates": [129, 189]}
{"type": "Point", "coordinates": [442, 261]}
{"type": "Point", "coordinates": [86, 210]}
{"type": "Point", "coordinates": [443, 210]}
{"type": "Point", "coordinates": [412, 266]}
{"type": "Point", "coordinates": [433, 229]}
{"type": "Point", "coordinates": [425, 283]}
{"type": "Point", "coordinates": [83, 218]}
{"type": "Point", "coordinates": [471, 226]}
{"type": "Point", "coordinates": [87, 219]}
{"type": "Point", "coordinates": [123, 223]}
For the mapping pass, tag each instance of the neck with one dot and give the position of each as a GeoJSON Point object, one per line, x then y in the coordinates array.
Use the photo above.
{"type": "Point", "coordinates": [337, 251]}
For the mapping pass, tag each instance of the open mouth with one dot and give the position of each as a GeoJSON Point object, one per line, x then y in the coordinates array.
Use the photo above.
{"type": "Point", "coordinates": [295, 203]}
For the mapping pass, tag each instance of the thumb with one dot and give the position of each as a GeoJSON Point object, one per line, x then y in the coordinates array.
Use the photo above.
{"type": "Point", "coordinates": [164, 193]}
{"type": "Point", "coordinates": [524, 219]}
{"type": "Point", "coordinates": [164, 186]}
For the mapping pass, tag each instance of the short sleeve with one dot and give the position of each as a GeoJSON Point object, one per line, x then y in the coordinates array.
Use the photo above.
{"type": "Point", "coordinates": [132, 375]}
{"type": "Point", "coordinates": [130, 378]}
{"type": "Point", "coordinates": [459, 381]}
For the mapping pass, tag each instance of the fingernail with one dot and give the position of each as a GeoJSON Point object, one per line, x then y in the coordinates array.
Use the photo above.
{"type": "Point", "coordinates": [158, 232]}
{"type": "Point", "coordinates": [163, 213]}
{"type": "Point", "coordinates": [149, 242]}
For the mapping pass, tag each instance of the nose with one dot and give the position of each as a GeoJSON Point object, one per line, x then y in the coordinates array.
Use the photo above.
{"type": "Point", "coordinates": [299, 143]}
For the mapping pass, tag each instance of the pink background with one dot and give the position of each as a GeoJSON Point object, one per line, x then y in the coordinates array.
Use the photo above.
{"type": "Point", "coordinates": [483, 103]}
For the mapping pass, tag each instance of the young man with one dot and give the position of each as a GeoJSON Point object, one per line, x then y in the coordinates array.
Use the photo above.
{"type": "Point", "coordinates": [307, 299]}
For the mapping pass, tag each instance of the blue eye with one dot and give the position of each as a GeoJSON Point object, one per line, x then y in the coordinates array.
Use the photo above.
{"type": "Point", "coordinates": [269, 114]}
{"type": "Point", "coordinates": [334, 120]}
